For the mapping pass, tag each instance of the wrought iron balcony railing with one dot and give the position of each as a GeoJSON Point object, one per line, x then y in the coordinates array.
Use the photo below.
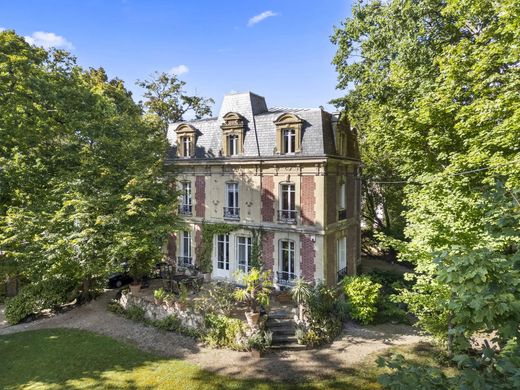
{"type": "Point", "coordinates": [185, 209]}
{"type": "Point", "coordinates": [284, 278]}
{"type": "Point", "coordinates": [184, 261]}
{"type": "Point", "coordinates": [232, 212]}
{"type": "Point", "coordinates": [287, 216]}
{"type": "Point", "coordinates": [342, 214]}
{"type": "Point", "coordinates": [342, 273]}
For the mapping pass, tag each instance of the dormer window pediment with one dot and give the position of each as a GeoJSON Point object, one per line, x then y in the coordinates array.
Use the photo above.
{"type": "Point", "coordinates": [186, 139]}
{"type": "Point", "coordinates": [233, 130]}
{"type": "Point", "coordinates": [288, 134]}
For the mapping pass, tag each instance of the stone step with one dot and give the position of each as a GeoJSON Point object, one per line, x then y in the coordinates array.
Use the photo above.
{"type": "Point", "coordinates": [280, 321]}
{"type": "Point", "coordinates": [284, 347]}
{"type": "Point", "coordinates": [284, 339]}
{"type": "Point", "coordinates": [278, 325]}
{"type": "Point", "coordinates": [281, 315]}
{"type": "Point", "coordinates": [283, 331]}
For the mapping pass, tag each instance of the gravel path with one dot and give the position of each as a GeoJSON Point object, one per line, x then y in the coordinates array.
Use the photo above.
{"type": "Point", "coordinates": [354, 346]}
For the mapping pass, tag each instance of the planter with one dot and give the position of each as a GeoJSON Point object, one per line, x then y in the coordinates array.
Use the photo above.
{"type": "Point", "coordinates": [252, 318]}
{"type": "Point", "coordinates": [207, 277]}
{"type": "Point", "coordinates": [135, 288]}
{"type": "Point", "coordinates": [255, 353]}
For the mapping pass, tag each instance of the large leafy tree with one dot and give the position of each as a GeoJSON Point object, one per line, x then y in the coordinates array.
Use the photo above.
{"type": "Point", "coordinates": [81, 172]}
{"type": "Point", "coordinates": [433, 85]}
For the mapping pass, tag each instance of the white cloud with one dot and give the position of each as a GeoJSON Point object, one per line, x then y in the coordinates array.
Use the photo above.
{"type": "Point", "coordinates": [2, 29]}
{"type": "Point", "coordinates": [258, 18]}
{"type": "Point", "coordinates": [178, 70]}
{"type": "Point", "coordinates": [48, 40]}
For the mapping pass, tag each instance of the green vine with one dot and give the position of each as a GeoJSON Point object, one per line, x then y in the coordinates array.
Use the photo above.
{"type": "Point", "coordinates": [205, 250]}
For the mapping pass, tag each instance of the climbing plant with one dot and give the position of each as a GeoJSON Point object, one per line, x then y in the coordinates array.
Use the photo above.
{"type": "Point", "coordinates": [256, 250]}
{"type": "Point", "coordinates": [205, 250]}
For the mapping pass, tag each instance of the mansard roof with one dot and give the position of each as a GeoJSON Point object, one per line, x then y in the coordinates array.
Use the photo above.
{"type": "Point", "coordinates": [260, 129]}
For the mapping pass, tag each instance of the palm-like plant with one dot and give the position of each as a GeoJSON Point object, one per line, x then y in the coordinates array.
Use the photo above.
{"type": "Point", "coordinates": [257, 289]}
{"type": "Point", "coordinates": [301, 292]}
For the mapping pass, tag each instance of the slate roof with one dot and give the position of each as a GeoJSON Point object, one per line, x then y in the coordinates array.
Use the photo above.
{"type": "Point", "coordinates": [259, 137]}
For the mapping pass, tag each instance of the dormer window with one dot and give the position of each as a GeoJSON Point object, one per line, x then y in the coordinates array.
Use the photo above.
{"type": "Point", "coordinates": [185, 141]}
{"type": "Point", "coordinates": [232, 134]}
{"type": "Point", "coordinates": [288, 134]}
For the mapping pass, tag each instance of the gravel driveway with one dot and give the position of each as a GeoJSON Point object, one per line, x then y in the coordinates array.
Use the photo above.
{"type": "Point", "coordinates": [354, 346]}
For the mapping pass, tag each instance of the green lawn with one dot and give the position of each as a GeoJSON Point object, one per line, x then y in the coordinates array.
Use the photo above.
{"type": "Point", "coordinates": [72, 359]}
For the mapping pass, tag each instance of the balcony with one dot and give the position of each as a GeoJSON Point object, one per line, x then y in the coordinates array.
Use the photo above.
{"type": "Point", "coordinates": [341, 274]}
{"type": "Point", "coordinates": [185, 209]}
{"type": "Point", "coordinates": [231, 213]}
{"type": "Point", "coordinates": [286, 279]}
{"type": "Point", "coordinates": [342, 214]}
{"type": "Point", "coordinates": [287, 216]}
{"type": "Point", "coordinates": [184, 261]}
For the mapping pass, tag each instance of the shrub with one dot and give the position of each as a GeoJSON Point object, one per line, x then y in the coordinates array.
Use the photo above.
{"type": "Point", "coordinates": [135, 313]}
{"type": "Point", "coordinates": [33, 298]}
{"type": "Point", "coordinates": [220, 299]}
{"type": "Point", "coordinates": [362, 295]}
{"type": "Point", "coordinates": [171, 323]}
{"type": "Point", "coordinates": [260, 340]}
{"type": "Point", "coordinates": [222, 331]}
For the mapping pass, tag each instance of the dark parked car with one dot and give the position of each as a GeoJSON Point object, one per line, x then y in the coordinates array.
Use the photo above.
{"type": "Point", "coordinates": [119, 279]}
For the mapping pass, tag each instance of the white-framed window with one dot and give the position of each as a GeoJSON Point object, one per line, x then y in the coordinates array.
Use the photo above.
{"type": "Point", "coordinates": [289, 141]}
{"type": "Point", "coordinates": [232, 140]}
{"type": "Point", "coordinates": [342, 196]}
{"type": "Point", "coordinates": [186, 198]}
{"type": "Point", "coordinates": [231, 210]}
{"type": "Point", "coordinates": [185, 249]}
{"type": "Point", "coordinates": [244, 250]}
{"type": "Point", "coordinates": [223, 252]}
{"type": "Point", "coordinates": [286, 260]}
{"type": "Point", "coordinates": [287, 210]}
{"type": "Point", "coordinates": [186, 146]}
{"type": "Point", "coordinates": [341, 245]}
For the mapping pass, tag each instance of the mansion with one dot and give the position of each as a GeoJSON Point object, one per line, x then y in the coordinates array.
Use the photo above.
{"type": "Point", "coordinates": [291, 174]}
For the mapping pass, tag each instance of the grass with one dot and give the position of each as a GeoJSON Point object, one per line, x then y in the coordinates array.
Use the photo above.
{"type": "Point", "coordinates": [74, 359]}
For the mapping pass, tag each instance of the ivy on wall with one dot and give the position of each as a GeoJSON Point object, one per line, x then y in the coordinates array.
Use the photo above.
{"type": "Point", "coordinates": [205, 250]}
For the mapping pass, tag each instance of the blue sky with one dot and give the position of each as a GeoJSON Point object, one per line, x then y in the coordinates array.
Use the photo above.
{"type": "Point", "coordinates": [279, 49]}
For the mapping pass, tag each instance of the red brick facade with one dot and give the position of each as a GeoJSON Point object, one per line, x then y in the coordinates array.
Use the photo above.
{"type": "Point", "coordinates": [308, 254]}
{"type": "Point", "coordinates": [267, 210]}
{"type": "Point", "coordinates": [200, 196]}
{"type": "Point", "coordinates": [268, 250]}
{"type": "Point", "coordinates": [308, 200]}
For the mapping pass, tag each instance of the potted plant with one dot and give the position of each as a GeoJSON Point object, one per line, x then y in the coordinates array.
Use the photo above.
{"type": "Point", "coordinates": [159, 296]}
{"type": "Point", "coordinates": [301, 292]}
{"type": "Point", "coordinates": [259, 342]}
{"type": "Point", "coordinates": [256, 292]}
{"type": "Point", "coordinates": [181, 303]}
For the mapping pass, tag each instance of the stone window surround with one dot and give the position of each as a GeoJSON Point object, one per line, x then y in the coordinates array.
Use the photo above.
{"type": "Point", "coordinates": [233, 125]}
{"type": "Point", "coordinates": [284, 122]}
{"type": "Point", "coordinates": [185, 130]}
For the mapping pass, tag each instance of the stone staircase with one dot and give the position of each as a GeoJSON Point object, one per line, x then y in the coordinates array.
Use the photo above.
{"type": "Point", "coordinates": [281, 323]}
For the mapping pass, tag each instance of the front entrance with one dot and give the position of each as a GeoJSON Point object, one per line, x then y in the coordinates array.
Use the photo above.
{"type": "Point", "coordinates": [221, 268]}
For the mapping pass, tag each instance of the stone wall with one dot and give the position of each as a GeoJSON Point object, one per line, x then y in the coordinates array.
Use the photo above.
{"type": "Point", "coordinates": [189, 318]}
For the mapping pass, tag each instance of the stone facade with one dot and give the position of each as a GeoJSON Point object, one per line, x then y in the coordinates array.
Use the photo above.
{"type": "Point", "coordinates": [284, 179]}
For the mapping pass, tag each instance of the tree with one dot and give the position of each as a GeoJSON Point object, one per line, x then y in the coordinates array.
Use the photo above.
{"type": "Point", "coordinates": [434, 85]}
{"type": "Point", "coordinates": [166, 98]}
{"type": "Point", "coordinates": [83, 182]}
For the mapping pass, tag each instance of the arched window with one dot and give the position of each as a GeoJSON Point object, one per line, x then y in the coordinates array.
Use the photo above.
{"type": "Point", "coordinates": [185, 140]}
{"type": "Point", "coordinates": [232, 134]}
{"type": "Point", "coordinates": [288, 134]}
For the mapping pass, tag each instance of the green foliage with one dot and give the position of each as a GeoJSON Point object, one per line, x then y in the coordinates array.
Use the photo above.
{"type": "Point", "coordinates": [205, 250]}
{"type": "Point", "coordinates": [260, 340]}
{"type": "Point", "coordinates": [222, 331]}
{"type": "Point", "coordinates": [257, 290]}
{"type": "Point", "coordinates": [362, 296]}
{"type": "Point", "coordinates": [33, 298]}
{"type": "Point", "coordinates": [83, 182]}
{"type": "Point", "coordinates": [172, 323]}
{"type": "Point", "coordinates": [135, 313]}
{"type": "Point", "coordinates": [220, 299]}
{"type": "Point", "coordinates": [165, 97]}
{"type": "Point", "coordinates": [159, 294]}
{"type": "Point", "coordinates": [324, 312]}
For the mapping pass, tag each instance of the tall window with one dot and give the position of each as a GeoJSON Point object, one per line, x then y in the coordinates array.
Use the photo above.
{"type": "Point", "coordinates": [286, 260]}
{"type": "Point", "coordinates": [185, 257]}
{"type": "Point", "coordinates": [244, 249]}
{"type": "Point", "coordinates": [341, 256]}
{"type": "Point", "coordinates": [232, 140]}
{"type": "Point", "coordinates": [342, 202]}
{"type": "Point", "coordinates": [289, 141]}
{"type": "Point", "coordinates": [186, 146]}
{"type": "Point", "coordinates": [223, 251]}
{"type": "Point", "coordinates": [287, 212]}
{"type": "Point", "coordinates": [231, 210]}
{"type": "Point", "coordinates": [186, 198]}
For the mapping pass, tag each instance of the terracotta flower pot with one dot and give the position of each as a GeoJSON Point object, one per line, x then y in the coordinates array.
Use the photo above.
{"type": "Point", "coordinates": [135, 288]}
{"type": "Point", "coordinates": [252, 318]}
{"type": "Point", "coordinates": [255, 353]}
